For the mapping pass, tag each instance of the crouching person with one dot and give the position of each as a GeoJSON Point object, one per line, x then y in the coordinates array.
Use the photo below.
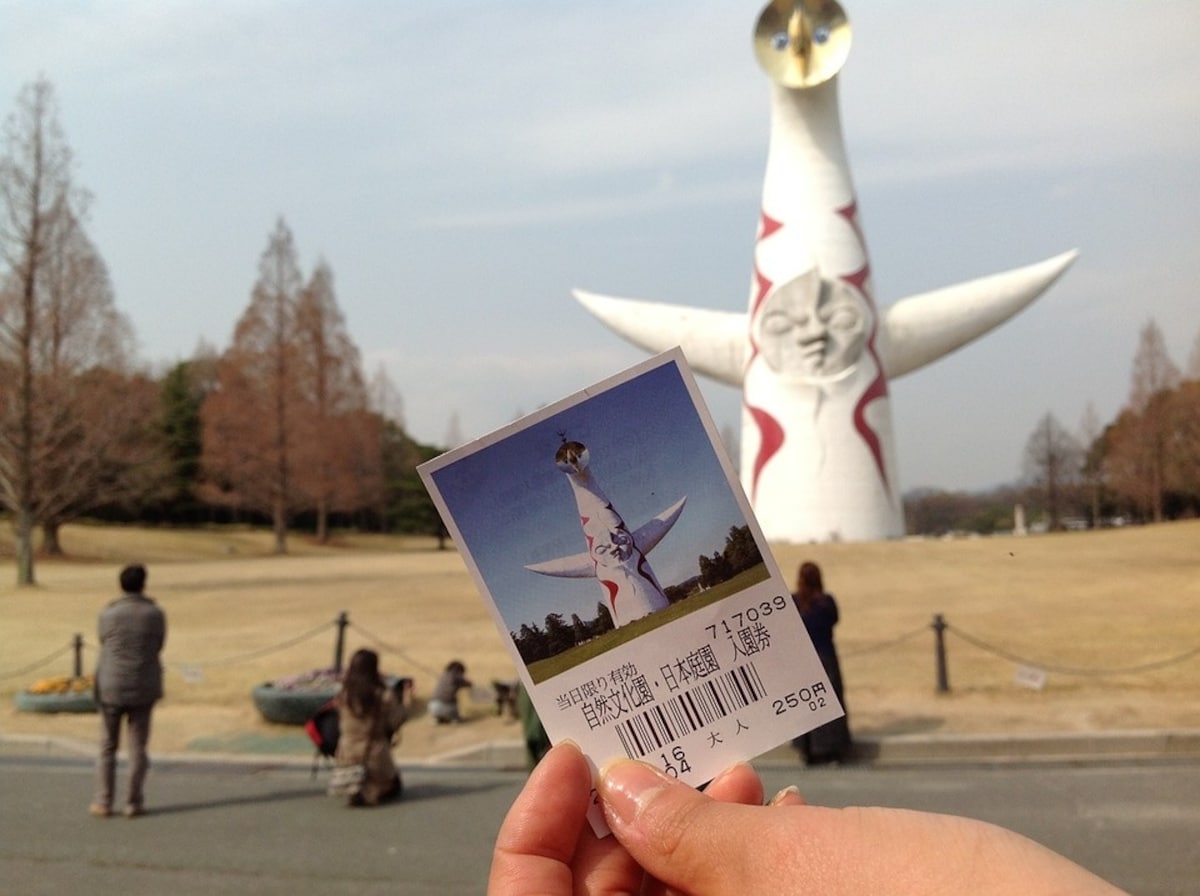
{"type": "Point", "coordinates": [369, 717]}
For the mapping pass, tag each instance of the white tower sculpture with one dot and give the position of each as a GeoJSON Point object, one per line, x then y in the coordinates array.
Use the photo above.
{"type": "Point", "coordinates": [615, 557]}
{"type": "Point", "coordinates": [814, 355]}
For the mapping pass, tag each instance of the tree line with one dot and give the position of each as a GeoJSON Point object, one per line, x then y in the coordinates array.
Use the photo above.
{"type": "Point", "coordinates": [278, 427]}
{"type": "Point", "coordinates": [1144, 466]}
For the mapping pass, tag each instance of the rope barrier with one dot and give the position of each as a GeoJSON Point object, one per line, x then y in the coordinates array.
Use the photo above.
{"type": "Point", "coordinates": [1071, 670]}
{"type": "Point", "coordinates": [37, 664]}
{"type": "Point", "coordinates": [263, 651]}
{"type": "Point", "coordinates": [884, 645]}
{"type": "Point", "coordinates": [388, 648]}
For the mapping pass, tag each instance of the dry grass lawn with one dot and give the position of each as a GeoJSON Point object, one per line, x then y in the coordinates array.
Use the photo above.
{"type": "Point", "coordinates": [1104, 601]}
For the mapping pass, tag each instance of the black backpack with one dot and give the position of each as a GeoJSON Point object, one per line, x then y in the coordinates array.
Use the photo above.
{"type": "Point", "coordinates": [323, 730]}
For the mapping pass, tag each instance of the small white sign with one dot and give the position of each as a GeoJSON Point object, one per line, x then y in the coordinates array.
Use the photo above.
{"type": "Point", "coordinates": [620, 559]}
{"type": "Point", "coordinates": [1030, 677]}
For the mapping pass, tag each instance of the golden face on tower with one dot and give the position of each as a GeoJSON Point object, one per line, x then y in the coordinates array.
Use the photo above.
{"type": "Point", "coordinates": [802, 43]}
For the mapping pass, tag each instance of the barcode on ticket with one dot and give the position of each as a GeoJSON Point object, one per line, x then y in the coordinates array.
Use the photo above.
{"type": "Point", "coordinates": [690, 711]}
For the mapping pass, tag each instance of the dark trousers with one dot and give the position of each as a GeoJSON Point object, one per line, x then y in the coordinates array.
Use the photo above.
{"type": "Point", "coordinates": [110, 740]}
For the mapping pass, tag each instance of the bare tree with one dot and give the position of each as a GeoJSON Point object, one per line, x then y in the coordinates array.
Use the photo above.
{"type": "Point", "coordinates": [1193, 364]}
{"type": "Point", "coordinates": [1188, 424]}
{"type": "Point", "coordinates": [97, 440]}
{"type": "Point", "coordinates": [35, 179]}
{"type": "Point", "coordinates": [1052, 462]}
{"type": "Point", "coordinates": [107, 451]}
{"type": "Point", "coordinates": [1153, 370]}
{"type": "Point", "coordinates": [1141, 441]}
{"type": "Point", "coordinates": [1093, 455]}
{"type": "Point", "coordinates": [339, 464]}
{"type": "Point", "coordinates": [386, 400]}
{"type": "Point", "coordinates": [1182, 473]}
{"type": "Point", "coordinates": [68, 422]}
{"type": "Point", "coordinates": [250, 419]}
{"type": "Point", "coordinates": [1123, 465]}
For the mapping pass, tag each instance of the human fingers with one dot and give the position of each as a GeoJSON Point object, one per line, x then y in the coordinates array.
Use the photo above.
{"type": "Point", "coordinates": [604, 866]}
{"type": "Point", "coordinates": [537, 841]}
{"type": "Point", "coordinates": [737, 784]}
{"type": "Point", "coordinates": [789, 796]}
{"type": "Point", "coordinates": [696, 845]}
{"type": "Point", "coordinates": [688, 842]}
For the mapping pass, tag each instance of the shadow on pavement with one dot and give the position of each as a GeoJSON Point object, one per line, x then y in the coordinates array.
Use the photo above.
{"type": "Point", "coordinates": [413, 793]}
{"type": "Point", "coordinates": [225, 802]}
{"type": "Point", "coordinates": [903, 725]}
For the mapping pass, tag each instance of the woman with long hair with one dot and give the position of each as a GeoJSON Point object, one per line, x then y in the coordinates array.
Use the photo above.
{"type": "Point", "coordinates": [829, 742]}
{"type": "Point", "coordinates": [370, 714]}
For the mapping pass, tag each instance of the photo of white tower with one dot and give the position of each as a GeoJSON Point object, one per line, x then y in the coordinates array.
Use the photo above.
{"type": "Point", "coordinates": [615, 556]}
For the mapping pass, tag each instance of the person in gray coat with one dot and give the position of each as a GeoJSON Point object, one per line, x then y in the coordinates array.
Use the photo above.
{"type": "Point", "coordinates": [129, 681]}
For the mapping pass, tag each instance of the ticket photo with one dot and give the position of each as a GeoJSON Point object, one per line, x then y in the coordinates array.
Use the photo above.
{"type": "Point", "coordinates": [620, 559]}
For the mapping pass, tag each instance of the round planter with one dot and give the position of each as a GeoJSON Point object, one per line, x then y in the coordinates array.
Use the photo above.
{"type": "Point", "coordinates": [71, 702]}
{"type": "Point", "coordinates": [288, 707]}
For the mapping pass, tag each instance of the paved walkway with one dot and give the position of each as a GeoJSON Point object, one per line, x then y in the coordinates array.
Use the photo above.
{"type": "Point", "coordinates": [1097, 746]}
{"type": "Point", "coordinates": [262, 825]}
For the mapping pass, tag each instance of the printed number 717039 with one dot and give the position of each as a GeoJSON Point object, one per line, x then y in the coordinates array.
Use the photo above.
{"type": "Point", "coordinates": [736, 621]}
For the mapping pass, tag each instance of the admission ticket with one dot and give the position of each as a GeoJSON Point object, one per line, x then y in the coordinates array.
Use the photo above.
{"type": "Point", "coordinates": [623, 565]}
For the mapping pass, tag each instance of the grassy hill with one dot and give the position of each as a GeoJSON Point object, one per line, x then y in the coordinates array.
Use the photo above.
{"type": "Point", "coordinates": [1084, 606]}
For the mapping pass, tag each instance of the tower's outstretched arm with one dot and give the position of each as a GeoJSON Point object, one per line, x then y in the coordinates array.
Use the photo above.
{"type": "Point", "coordinates": [915, 331]}
{"type": "Point", "coordinates": [714, 342]}
{"type": "Point", "coordinates": [922, 328]}
{"type": "Point", "coordinates": [583, 566]}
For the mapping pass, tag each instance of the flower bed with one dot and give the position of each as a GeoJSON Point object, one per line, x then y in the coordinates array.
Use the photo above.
{"type": "Point", "coordinates": [293, 699]}
{"type": "Point", "coordinates": [62, 693]}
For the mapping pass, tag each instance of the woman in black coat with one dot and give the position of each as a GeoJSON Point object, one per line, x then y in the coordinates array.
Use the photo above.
{"type": "Point", "coordinates": [831, 741]}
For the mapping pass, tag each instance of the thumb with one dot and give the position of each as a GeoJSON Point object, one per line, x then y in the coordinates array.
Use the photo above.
{"type": "Point", "coordinates": [695, 844]}
{"type": "Point", "coordinates": [690, 841]}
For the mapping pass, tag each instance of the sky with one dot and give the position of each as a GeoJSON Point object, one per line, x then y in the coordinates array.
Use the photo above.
{"type": "Point", "coordinates": [647, 447]}
{"type": "Point", "coordinates": [462, 171]}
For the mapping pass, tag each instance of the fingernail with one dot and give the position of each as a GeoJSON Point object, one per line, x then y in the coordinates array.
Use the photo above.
{"type": "Point", "coordinates": [789, 796]}
{"type": "Point", "coordinates": [725, 774]}
{"type": "Point", "coordinates": [627, 787]}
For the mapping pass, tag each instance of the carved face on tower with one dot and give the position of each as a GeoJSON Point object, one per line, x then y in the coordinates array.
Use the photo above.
{"type": "Point", "coordinates": [812, 329]}
{"type": "Point", "coordinates": [615, 549]}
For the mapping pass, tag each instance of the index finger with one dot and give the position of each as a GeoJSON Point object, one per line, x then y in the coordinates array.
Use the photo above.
{"type": "Point", "coordinates": [536, 843]}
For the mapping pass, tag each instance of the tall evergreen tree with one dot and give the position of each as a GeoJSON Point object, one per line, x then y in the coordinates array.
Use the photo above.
{"type": "Point", "coordinates": [180, 400]}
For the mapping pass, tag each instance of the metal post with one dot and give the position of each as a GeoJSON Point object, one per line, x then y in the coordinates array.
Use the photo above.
{"type": "Point", "coordinates": [943, 678]}
{"type": "Point", "coordinates": [342, 621]}
{"type": "Point", "coordinates": [78, 655]}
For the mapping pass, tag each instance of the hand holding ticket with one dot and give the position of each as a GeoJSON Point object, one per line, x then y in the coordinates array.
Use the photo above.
{"type": "Point", "coordinates": [725, 841]}
{"type": "Point", "coordinates": [621, 560]}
